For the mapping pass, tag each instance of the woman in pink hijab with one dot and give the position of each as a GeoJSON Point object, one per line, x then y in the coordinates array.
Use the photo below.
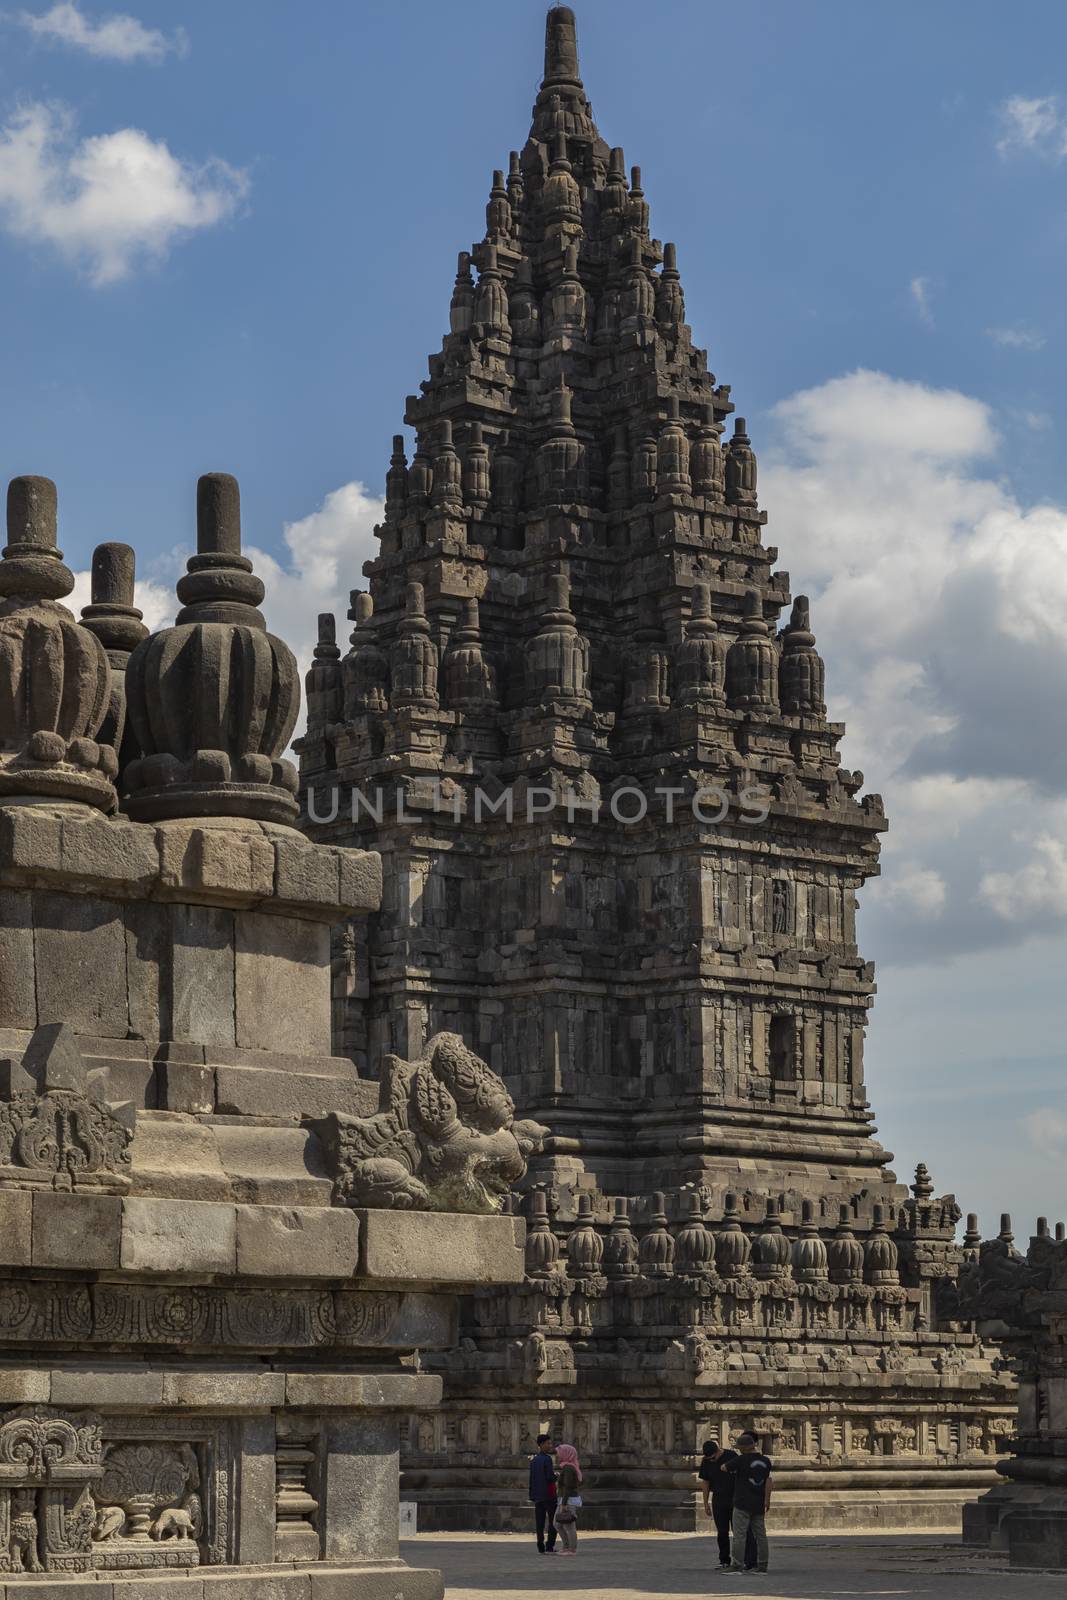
{"type": "Point", "coordinates": [568, 1498]}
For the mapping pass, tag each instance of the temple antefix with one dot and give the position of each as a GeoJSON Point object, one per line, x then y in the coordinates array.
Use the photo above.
{"type": "Point", "coordinates": [621, 859]}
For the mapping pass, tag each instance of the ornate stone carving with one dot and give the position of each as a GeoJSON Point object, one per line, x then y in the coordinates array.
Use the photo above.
{"type": "Point", "coordinates": [55, 681]}
{"type": "Point", "coordinates": [213, 700]}
{"type": "Point", "coordinates": [446, 1138]}
{"type": "Point", "coordinates": [58, 1136]}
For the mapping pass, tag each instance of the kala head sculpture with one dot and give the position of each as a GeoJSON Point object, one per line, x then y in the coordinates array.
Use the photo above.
{"type": "Point", "coordinates": [446, 1138]}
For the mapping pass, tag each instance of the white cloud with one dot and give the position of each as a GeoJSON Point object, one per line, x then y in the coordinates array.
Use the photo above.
{"type": "Point", "coordinates": [920, 294]}
{"type": "Point", "coordinates": [327, 550]}
{"type": "Point", "coordinates": [1046, 1130]}
{"type": "Point", "coordinates": [940, 601]}
{"type": "Point", "coordinates": [1031, 124]}
{"type": "Point", "coordinates": [1017, 338]}
{"type": "Point", "coordinates": [110, 202]}
{"type": "Point", "coordinates": [115, 37]}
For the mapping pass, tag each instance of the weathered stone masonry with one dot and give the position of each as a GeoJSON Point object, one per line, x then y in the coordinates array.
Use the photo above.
{"type": "Point", "coordinates": [208, 1314]}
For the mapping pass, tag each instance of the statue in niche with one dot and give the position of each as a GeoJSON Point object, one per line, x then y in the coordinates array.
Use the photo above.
{"type": "Point", "coordinates": [780, 918]}
{"type": "Point", "coordinates": [446, 1137]}
{"type": "Point", "coordinates": [22, 1544]}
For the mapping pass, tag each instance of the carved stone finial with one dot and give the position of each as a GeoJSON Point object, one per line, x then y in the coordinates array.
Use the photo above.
{"type": "Point", "coordinates": [365, 669]}
{"type": "Point", "coordinates": [740, 468]}
{"type": "Point", "coordinates": [752, 662]}
{"type": "Point", "coordinates": [657, 1246]}
{"type": "Point", "coordinates": [670, 299]}
{"type": "Point", "coordinates": [809, 1251]}
{"type": "Point", "coordinates": [469, 679]}
{"type": "Point", "coordinates": [461, 310]}
{"type": "Point", "coordinates": [557, 656]}
{"type": "Point", "coordinates": [542, 1246]}
{"type": "Point", "coordinates": [322, 683]}
{"type": "Point", "coordinates": [491, 320]}
{"type": "Point", "coordinates": [561, 48]}
{"type": "Point", "coordinates": [55, 682]}
{"type": "Point", "coordinates": [396, 480]}
{"type": "Point", "coordinates": [415, 655]}
{"type": "Point", "coordinates": [112, 616]}
{"type": "Point", "coordinates": [922, 1188]}
{"type": "Point", "coordinates": [561, 196]}
{"type": "Point", "coordinates": [638, 205]}
{"type": "Point", "coordinates": [447, 492]}
{"type": "Point", "coordinates": [802, 674]}
{"type": "Point", "coordinates": [673, 455]}
{"type": "Point", "coordinates": [213, 699]}
{"type": "Point", "coordinates": [700, 660]}
{"type": "Point", "coordinates": [705, 458]}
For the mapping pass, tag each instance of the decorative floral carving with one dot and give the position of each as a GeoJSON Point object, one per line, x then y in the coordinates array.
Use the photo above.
{"type": "Point", "coordinates": [35, 1441]}
{"type": "Point", "coordinates": [64, 1137]}
{"type": "Point", "coordinates": [446, 1138]}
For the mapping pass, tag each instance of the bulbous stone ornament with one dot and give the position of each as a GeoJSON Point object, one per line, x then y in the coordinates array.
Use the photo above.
{"type": "Point", "coordinates": [213, 699]}
{"type": "Point", "coordinates": [55, 682]}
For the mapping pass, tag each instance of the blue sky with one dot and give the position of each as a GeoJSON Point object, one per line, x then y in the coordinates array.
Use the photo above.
{"type": "Point", "coordinates": [227, 238]}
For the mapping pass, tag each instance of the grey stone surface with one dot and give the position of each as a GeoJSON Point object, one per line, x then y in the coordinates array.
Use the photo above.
{"type": "Point", "coordinates": [16, 1227]}
{"type": "Point", "coordinates": [178, 1236]}
{"type": "Point", "coordinates": [364, 1507]}
{"type": "Point", "coordinates": [76, 1230]}
{"type": "Point", "coordinates": [296, 1242]}
{"type": "Point", "coordinates": [283, 984]}
{"type": "Point", "coordinates": [409, 1247]}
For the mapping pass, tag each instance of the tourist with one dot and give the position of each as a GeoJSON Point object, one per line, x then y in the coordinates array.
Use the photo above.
{"type": "Point", "coordinates": [717, 1483]}
{"type": "Point", "coordinates": [543, 1494]}
{"type": "Point", "coordinates": [569, 1501]}
{"type": "Point", "coordinates": [752, 1500]}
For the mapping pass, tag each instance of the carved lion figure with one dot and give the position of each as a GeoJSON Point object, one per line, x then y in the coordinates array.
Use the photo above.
{"type": "Point", "coordinates": [446, 1137]}
{"type": "Point", "coordinates": [23, 1546]}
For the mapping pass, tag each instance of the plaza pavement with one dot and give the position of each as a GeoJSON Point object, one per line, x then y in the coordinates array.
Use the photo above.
{"type": "Point", "coordinates": [629, 1566]}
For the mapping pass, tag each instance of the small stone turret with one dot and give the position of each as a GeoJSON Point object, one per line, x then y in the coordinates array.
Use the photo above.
{"type": "Point", "coordinates": [674, 453]}
{"type": "Point", "coordinates": [542, 1246]}
{"type": "Point", "coordinates": [844, 1253]}
{"type": "Point", "coordinates": [469, 680]}
{"type": "Point", "coordinates": [752, 662]}
{"type": "Point", "coordinates": [700, 660]}
{"type": "Point", "coordinates": [365, 669]}
{"type": "Point", "coordinates": [740, 468]}
{"type": "Point", "coordinates": [559, 460]}
{"type": "Point", "coordinates": [670, 299]}
{"type": "Point", "coordinates": [771, 1251]}
{"type": "Point", "coordinates": [694, 1246]}
{"type": "Point", "coordinates": [414, 657]}
{"type": "Point", "coordinates": [809, 1251]}
{"type": "Point", "coordinates": [461, 310]}
{"type": "Point", "coordinates": [585, 1247]}
{"type": "Point", "coordinates": [880, 1252]}
{"type": "Point", "coordinates": [557, 657]}
{"type": "Point", "coordinates": [801, 675]}
{"type": "Point", "coordinates": [322, 683]}
{"type": "Point", "coordinates": [657, 1245]}
{"type": "Point", "coordinates": [213, 700]}
{"type": "Point", "coordinates": [620, 1247]}
{"type": "Point", "coordinates": [732, 1244]}
{"type": "Point", "coordinates": [55, 682]}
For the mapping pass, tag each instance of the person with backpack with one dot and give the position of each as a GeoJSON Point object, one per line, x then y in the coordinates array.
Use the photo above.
{"type": "Point", "coordinates": [752, 1501]}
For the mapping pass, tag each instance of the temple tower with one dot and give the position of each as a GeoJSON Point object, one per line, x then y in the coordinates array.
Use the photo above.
{"type": "Point", "coordinates": [584, 723]}
{"type": "Point", "coordinates": [626, 857]}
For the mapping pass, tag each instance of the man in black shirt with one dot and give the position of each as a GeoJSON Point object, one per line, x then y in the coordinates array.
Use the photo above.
{"type": "Point", "coordinates": [752, 1499]}
{"type": "Point", "coordinates": [717, 1482]}
{"type": "Point", "coordinates": [543, 1494]}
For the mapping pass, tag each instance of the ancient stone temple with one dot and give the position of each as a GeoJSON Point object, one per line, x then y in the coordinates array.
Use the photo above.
{"type": "Point", "coordinates": [219, 1250]}
{"type": "Point", "coordinates": [584, 722]}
